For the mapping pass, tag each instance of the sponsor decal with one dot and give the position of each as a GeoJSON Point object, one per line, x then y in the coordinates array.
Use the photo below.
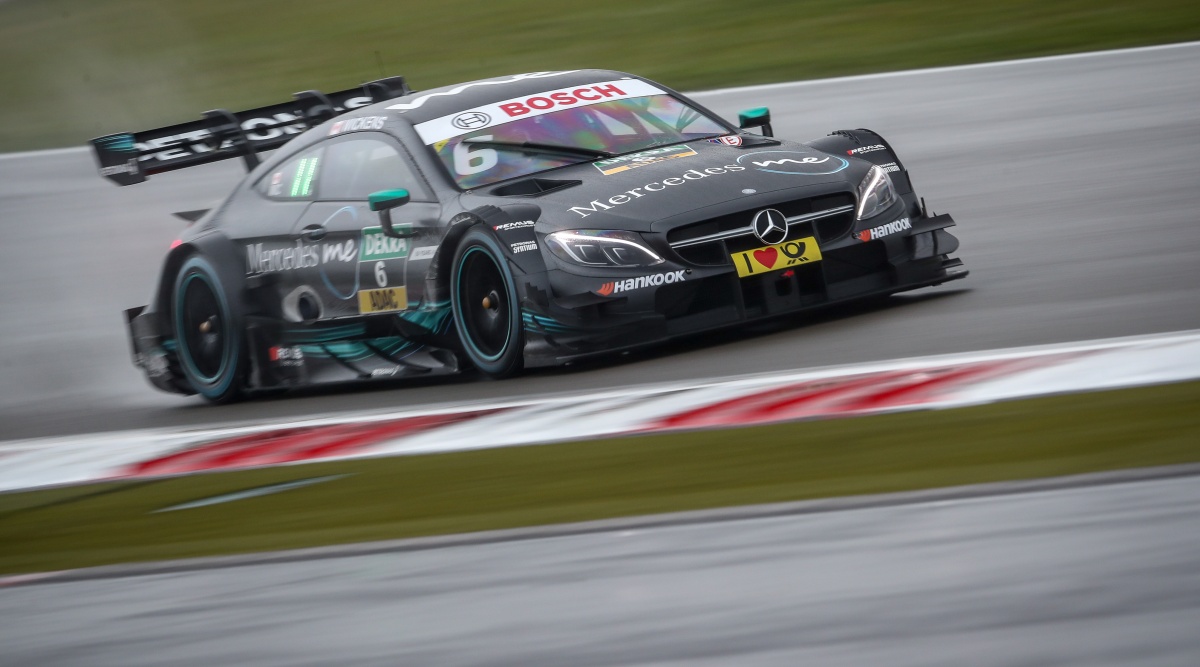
{"type": "Point", "coordinates": [375, 252]}
{"type": "Point", "coordinates": [417, 102]}
{"type": "Point", "coordinates": [634, 160]}
{"type": "Point", "coordinates": [129, 167]}
{"type": "Point", "coordinates": [866, 149]}
{"type": "Point", "coordinates": [653, 280]}
{"type": "Point", "coordinates": [889, 167]}
{"type": "Point", "coordinates": [529, 106]}
{"type": "Point", "coordinates": [424, 252]}
{"type": "Point", "coordinates": [260, 259]}
{"type": "Point", "coordinates": [360, 123]}
{"type": "Point", "coordinates": [775, 257]}
{"type": "Point", "coordinates": [471, 120]}
{"type": "Point", "coordinates": [691, 175]}
{"type": "Point", "coordinates": [296, 128]}
{"type": "Point", "coordinates": [793, 162]}
{"type": "Point", "coordinates": [509, 226]}
{"type": "Point", "coordinates": [881, 231]}
{"type": "Point", "coordinates": [385, 372]}
{"type": "Point", "coordinates": [564, 97]}
{"type": "Point", "coordinates": [731, 140]}
{"type": "Point", "coordinates": [122, 143]}
{"type": "Point", "coordinates": [383, 300]}
{"type": "Point", "coordinates": [338, 252]}
{"type": "Point", "coordinates": [523, 246]}
{"type": "Point", "coordinates": [287, 356]}
{"type": "Point", "coordinates": [376, 246]}
{"type": "Point", "coordinates": [198, 142]}
{"type": "Point", "coordinates": [343, 251]}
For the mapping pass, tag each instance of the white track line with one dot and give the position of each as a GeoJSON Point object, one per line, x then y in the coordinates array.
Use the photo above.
{"type": "Point", "coordinates": [793, 84]}
{"type": "Point", "coordinates": [48, 152]}
{"type": "Point", "coordinates": [944, 69]}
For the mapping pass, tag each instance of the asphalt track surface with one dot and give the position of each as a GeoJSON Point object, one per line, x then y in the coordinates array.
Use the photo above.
{"type": "Point", "coordinates": [1073, 180]}
{"type": "Point", "coordinates": [1092, 576]}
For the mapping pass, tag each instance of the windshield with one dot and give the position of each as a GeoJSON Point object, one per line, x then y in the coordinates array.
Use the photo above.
{"type": "Point", "coordinates": [596, 132]}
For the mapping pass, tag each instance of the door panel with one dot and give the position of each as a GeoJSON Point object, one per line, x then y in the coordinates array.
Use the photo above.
{"type": "Point", "coordinates": [359, 270]}
{"type": "Point", "coordinates": [362, 271]}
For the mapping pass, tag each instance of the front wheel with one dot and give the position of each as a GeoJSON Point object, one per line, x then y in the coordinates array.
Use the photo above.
{"type": "Point", "coordinates": [483, 297]}
{"type": "Point", "coordinates": [208, 337]}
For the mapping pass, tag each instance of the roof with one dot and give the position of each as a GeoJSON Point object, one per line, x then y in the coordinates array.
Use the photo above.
{"type": "Point", "coordinates": [426, 105]}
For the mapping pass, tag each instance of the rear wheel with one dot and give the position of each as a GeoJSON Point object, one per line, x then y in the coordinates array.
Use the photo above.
{"type": "Point", "coordinates": [483, 296]}
{"type": "Point", "coordinates": [208, 337]}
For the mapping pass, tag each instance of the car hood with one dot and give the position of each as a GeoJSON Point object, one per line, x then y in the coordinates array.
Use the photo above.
{"type": "Point", "coordinates": [656, 190]}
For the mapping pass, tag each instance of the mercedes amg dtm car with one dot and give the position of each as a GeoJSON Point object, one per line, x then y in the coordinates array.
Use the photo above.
{"type": "Point", "coordinates": [502, 224]}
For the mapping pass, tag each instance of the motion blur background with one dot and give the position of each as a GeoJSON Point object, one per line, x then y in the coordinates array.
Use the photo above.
{"type": "Point", "coordinates": [1073, 182]}
{"type": "Point", "coordinates": [76, 69]}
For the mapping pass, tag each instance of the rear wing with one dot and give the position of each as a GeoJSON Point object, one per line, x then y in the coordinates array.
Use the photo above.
{"type": "Point", "coordinates": [130, 157]}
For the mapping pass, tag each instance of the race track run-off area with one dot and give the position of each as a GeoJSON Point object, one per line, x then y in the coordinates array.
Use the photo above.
{"type": "Point", "coordinates": [847, 391]}
{"type": "Point", "coordinates": [1073, 183]}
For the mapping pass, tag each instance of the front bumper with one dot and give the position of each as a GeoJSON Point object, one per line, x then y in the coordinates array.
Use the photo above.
{"type": "Point", "coordinates": [594, 319]}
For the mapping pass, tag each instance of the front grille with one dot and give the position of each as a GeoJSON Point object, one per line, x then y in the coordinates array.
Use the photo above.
{"type": "Point", "coordinates": [706, 254]}
{"type": "Point", "coordinates": [709, 243]}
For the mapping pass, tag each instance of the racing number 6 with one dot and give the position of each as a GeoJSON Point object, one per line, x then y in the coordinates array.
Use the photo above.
{"type": "Point", "coordinates": [380, 275]}
{"type": "Point", "coordinates": [467, 161]}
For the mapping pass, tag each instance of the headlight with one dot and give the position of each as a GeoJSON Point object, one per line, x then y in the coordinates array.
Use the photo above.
{"type": "Point", "coordinates": [875, 193]}
{"type": "Point", "coordinates": [597, 247]}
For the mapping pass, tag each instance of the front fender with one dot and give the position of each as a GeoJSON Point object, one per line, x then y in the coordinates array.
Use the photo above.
{"type": "Point", "coordinates": [867, 145]}
{"type": "Point", "coordinates": [513, 227]}
{"type": "Point", "coordinates": [870, 146]}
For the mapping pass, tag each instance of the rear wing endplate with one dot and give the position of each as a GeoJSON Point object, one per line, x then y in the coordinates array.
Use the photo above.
{"type": "Point", "coordinates": [130, 157]}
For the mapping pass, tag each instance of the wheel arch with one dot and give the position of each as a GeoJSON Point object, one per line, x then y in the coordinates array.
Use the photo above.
{"type": "Point", "coordinates": [437, 279]}
{"type": "Point", "coordinates": [217, 249]}
{"type": "Point", "coordinates": [844, 142]}
{"type": "Point", "coordinates": [438, 276]}
{"type": "Point", "coordinates": [220, 254]}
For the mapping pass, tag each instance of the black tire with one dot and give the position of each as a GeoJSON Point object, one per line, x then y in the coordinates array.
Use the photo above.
{"type": "Point", "coordinates": [208, 334]}
{"type": "Point", "coordinates": [487, 313]}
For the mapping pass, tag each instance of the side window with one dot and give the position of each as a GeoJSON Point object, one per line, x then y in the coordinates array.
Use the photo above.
{"type": "Point", "coordinates": [293, 179]}
{"type": "Point", "coordinates": [355, 167]}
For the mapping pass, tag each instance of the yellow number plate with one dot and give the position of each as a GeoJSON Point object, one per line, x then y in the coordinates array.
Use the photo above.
{"type": "Point", "coordinates": [382, 300]}
{"type": "Point", "coordinates": [775, 257]}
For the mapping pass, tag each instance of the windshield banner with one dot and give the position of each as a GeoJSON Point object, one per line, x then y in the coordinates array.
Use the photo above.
{"type": "Point", "coordinates": [528, 106]}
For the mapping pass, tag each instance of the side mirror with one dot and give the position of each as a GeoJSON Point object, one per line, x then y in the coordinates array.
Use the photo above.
{"type": "Point", "coordinates": [383, 202]}
{"type": "Point", "coordinates": [759, 117]}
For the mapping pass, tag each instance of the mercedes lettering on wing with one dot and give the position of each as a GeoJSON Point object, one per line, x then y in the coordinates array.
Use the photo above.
{"type": "Point", "coordinates": [504, 224]}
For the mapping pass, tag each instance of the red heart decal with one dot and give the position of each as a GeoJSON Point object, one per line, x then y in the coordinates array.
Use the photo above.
{"type": "Point", "coordinates": [766, 256]}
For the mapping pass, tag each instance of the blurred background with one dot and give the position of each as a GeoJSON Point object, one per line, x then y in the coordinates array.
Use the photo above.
{"type": "Point", "coordinates": [76, 69]}
{"type": "Point", "coordinates": [1073, 182]}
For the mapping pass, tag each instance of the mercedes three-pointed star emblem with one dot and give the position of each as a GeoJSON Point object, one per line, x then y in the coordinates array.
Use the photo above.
{"type": "Point", "coordinates": [770, 226]}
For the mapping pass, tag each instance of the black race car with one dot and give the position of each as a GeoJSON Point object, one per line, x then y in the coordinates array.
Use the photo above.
{"type": "Point", "coordinates": [505, 223]}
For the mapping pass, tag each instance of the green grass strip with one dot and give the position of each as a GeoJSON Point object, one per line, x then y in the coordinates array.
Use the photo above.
{"type": "Point", "coordinates": [76, 69]}
{"type": "Point", "coordinates": [523, 486]}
